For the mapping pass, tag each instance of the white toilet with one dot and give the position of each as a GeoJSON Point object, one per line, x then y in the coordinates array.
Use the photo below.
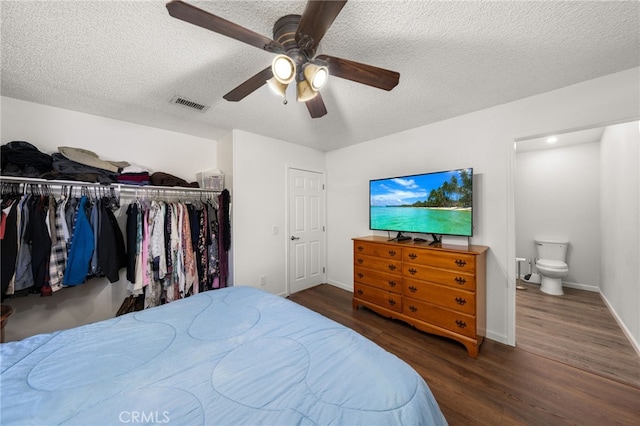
{"type": "Point", "coordinates": [551, 265]}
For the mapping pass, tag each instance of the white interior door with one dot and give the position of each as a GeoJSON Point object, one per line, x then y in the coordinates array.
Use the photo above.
{"type": "Point", "coordinates": [306, 229]}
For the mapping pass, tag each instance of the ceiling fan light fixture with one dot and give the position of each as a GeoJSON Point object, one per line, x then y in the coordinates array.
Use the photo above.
{"type": "Point", "coordinates": [316, 75]}
{"type": "Point", "coordinates": [305, 92]}
{"type": "Point", "coordinates": [284, 69]}
{"type": "Point", "coordinates": [277, 87]}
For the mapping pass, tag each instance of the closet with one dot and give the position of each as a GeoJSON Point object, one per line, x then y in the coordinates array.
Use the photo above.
{"type": "Point", "coordinates": [172, 241]}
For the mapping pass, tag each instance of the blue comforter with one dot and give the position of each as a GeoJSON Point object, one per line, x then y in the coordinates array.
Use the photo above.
{"type": "Point", "coordinates": [235, 356]}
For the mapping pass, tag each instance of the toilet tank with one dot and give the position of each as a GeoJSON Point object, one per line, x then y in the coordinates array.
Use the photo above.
{"type": "Point", "coordinates": [555, 250]}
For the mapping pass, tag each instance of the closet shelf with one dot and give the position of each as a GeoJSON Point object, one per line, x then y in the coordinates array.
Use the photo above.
{"type": "Point", "coordinates": [119, 187]}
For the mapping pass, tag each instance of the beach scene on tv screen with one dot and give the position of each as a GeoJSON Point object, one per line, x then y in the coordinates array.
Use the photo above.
{"type": "Point", "coordinates": [434, 203]}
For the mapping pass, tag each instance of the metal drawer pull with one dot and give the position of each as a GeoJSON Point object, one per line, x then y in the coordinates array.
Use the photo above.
{"type": "Point", "coordinates": [461, 301]}
{"type": "Point", "coordinates": [392, 267]}
{"type": "Point", "coordinates": [461, 262]}
{"type": "Point", "coordinates": [392, 253]}
{"type": "Point", "coordinates": [360, 275]}
{"type": "Point", "coordinates": [413, 256]}
{"type": "Point", "coordinates": [392, 302]}
{"type": "Point", "coordinates": [360, 260]}
{"type": "Point", "coordinates": [412, 271]}
{"type": "Point", "coordinates": [413, 308]}
{"type": "Point", "coordinates": [461, 324]}
{"type": "Point", "coordinates": [412, 289]}
{"type": "Point", "coordinates": [392, 283]}
{"type": "Point", "coordinates": [360, 292]}
{"type": "Point", "coordinates": [360, 248]}
{"type": "Point", "coordinates": [460, 280]}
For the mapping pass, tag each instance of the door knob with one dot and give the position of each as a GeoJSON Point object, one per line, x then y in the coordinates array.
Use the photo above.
{"type": "Point", "coordinates": [294, 238]}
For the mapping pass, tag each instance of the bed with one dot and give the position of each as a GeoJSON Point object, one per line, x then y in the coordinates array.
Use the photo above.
{"type": "Point", "coordinates": [235, 356]}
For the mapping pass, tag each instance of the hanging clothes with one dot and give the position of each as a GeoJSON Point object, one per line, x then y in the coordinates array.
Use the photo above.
{"type": "Point", "coordinates": [40, 242]}
{"type": "Point", "coordinates": [81, 248]}
{"type": "Point", "coordinates": [24, 273]}
{"type": "Point", "coordinates": [9, 242]}
{"type": "Point", "coordinates": [224, 230]}
{"type": "Point", "coordinates": [132, 241]}
{"type": "Point", "coordinates": [175, 249]}
{"type": "Point", "coordinates": [58, 258]}
{"type": "Point", "coordinates": [112, 255]}
{"type": "Point", "coordinates": [171, 249]}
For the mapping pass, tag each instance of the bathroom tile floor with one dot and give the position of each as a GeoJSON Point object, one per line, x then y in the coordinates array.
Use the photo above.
{"type": "Point", "coordinates": [576, 329]}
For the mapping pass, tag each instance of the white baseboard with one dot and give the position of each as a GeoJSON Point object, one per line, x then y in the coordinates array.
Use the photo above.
{"type": "Point", "coordinates": [622, 325]}
{"type": "Point", "coordinates": [535, 279]}
{"type": "Point", "coordinates": [579, 286]}
{"type": "Point", "coordinates": [348, 288]}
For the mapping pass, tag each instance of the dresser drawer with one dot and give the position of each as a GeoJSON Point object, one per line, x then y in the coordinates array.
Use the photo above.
{"type": "Point", "coordinates": [461, 262]}
{"type": "Point", "coordinates": [448, 297]}
{"type": "Point", "coordinates": [458, 280]}
{"type": "Point", "coordinates": [392, 266]}
{"type": "Point", "coordinates": [381, 280]}
{"type": "Point", "coordinates": [451, 320]}
{"type": "Point", "coordinates": [385, 299]}
{"type": "Point", "coordinates": [379, 250]}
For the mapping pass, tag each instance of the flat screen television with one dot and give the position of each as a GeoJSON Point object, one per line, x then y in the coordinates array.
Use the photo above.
{"type": "Point", "coordinates": [437, 203]}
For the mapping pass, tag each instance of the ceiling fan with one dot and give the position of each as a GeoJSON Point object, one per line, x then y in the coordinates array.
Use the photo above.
{"type": "Point", "coordinates": [295, 41]}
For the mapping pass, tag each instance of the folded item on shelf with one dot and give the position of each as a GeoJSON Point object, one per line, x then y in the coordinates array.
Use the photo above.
{"type": "Point", "coordinates": [165, 179]}
{"type": "Point", "coordinates": [64, 166]}
{"type": "Point", "coordinates": [90, 158]}
{"type": "Point", "coordinates": [20, 158]}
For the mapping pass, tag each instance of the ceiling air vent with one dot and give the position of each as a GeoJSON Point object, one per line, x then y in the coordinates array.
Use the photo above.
{"type": "Point", "coordinates": [180, 100]}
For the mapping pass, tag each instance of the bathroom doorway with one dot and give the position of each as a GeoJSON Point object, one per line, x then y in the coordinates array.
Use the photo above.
{"type": "Point", "coordinates": [557, 198]}
{"type": "Point", "coordinates": [559, 191]}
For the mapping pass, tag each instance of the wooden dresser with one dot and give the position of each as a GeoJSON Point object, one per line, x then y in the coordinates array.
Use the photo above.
{"type": "Point", "coordinates": [440, 290]}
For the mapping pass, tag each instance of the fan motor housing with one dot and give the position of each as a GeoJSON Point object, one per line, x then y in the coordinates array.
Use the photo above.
{"type": "Point", "coordinates": [284, 32]}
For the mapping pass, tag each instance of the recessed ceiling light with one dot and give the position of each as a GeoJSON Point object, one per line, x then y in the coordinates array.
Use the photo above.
{"type": "Point", "coordinates": [552, 139]}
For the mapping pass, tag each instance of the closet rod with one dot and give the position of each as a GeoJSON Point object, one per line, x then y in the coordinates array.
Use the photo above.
{"type": "Point", "coordinates": [120, 187]}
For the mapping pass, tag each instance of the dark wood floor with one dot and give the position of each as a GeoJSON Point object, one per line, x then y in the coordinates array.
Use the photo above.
{"type": "Point", "coordinates": [503, 386]}
{"type": "Point", "coordinates": [577, 329]}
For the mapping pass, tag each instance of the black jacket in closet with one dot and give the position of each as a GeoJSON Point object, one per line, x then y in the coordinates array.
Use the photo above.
{"type": "Point", "coordinates": [111, 250]}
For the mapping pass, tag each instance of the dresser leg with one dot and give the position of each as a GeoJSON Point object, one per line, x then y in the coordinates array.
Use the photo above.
{"type": "Point", "coordinates": [472, 350]}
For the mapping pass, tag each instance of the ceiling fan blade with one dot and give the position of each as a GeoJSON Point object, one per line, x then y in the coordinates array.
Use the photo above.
{"type": "Point", "coordinates": [316, 19]}
{"type": "Point", "coordinates": [193, 15]}
{"type": "Point", "coordinates": [361, 73]}
{"type": "Point", "coordinates": [249, 86]}
{"type": "Point", "coordinates": [316, 106]}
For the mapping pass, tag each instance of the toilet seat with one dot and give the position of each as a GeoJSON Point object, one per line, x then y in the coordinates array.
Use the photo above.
{"type": "Point", "coordinates": [550, 264]}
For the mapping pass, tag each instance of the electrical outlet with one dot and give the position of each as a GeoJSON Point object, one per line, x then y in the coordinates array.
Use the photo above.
{"type": "Point", "coordinates": [263, 280]}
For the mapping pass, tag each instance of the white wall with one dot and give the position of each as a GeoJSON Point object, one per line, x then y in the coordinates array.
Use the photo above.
{"type": "Point", "coordinates": [159, 150]}
{"type": "Point", "coordinates": [483, 140]}
{"type": "Point", "coordinates": [620, 204]}
{"type": "Point", "coordinates": [558, 198]}
{"type": "Point", "coordinates": [260, 192]}
{"type": "Point", "coordinates": [48, 128]}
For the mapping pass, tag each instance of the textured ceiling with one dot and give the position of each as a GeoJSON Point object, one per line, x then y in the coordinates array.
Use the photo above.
{"type": "Point", "coordinates": [126, 60]}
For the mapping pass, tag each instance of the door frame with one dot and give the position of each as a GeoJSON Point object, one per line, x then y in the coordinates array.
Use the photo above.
{"type": "Point", "coordinates": [289, 169]}
{"type": "Point", "coordinates": [511, 207]}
